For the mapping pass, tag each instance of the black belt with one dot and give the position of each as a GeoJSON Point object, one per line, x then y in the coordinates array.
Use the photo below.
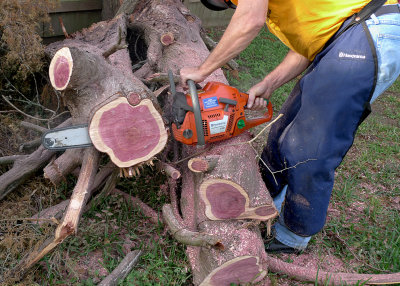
{"type": "Point", "coordinates": [386, 9]}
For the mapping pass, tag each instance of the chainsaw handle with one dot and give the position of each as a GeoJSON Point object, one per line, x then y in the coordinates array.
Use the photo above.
{"type": "Point", "coordinates": [265, 118]}
{"type": "Point", "coordinates": [197, 113]}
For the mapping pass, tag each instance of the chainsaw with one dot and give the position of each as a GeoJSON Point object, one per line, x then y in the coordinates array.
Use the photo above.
{"type": "Point", "coordinates": [210, 114]}
{"type": "Point", "coordinates": [213, 113]}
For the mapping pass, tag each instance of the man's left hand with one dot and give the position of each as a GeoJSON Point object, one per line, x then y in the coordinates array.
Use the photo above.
{"type": "Point", "coordinates": [193, 73]}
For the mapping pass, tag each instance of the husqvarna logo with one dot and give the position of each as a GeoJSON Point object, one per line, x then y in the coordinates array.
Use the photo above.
{"type": "Point", "coordinates": [351, 56]}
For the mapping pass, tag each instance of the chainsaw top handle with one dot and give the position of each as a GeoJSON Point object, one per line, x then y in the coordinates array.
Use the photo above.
{"type": "Point", "coordinates": [197, 113]}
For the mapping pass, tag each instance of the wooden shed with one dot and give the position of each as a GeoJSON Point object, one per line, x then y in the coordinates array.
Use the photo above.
{"type": "Point", "coordinates": [75, 14]}
{"type": "Point", "coordinates": [78, 14]}
{"type": "Point", "coordinates": [208, 17]}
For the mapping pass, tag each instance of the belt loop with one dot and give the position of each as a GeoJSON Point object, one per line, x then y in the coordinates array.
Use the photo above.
{"type": "Point", "coordinates": [375, 19]}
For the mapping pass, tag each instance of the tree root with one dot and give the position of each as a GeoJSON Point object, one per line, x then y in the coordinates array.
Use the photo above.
{"type": "Point", "coordinates": [186, 236]}
{"type": "Point", "coordinates": [146, 210]}
{"type": "Point", "coordinates": [329, 278]}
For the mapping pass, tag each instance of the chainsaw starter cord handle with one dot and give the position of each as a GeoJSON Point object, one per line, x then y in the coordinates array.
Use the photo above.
{"type": "Point", "coordinates": [197, 113]}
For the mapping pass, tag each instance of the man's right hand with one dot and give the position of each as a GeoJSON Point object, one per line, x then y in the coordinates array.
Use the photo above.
{"type": "Point", "coordinates": [258, 95]}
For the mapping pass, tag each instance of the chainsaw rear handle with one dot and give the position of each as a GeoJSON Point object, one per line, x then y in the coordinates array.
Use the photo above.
{"type": "Point", "coordinates": [197, 113]}
{"type": "Point", "coordinates": [257, 121]}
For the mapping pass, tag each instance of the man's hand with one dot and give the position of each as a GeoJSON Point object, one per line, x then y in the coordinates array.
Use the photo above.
{"type": "Point", "coordinates": [246, 22]}
{"type": "Point", "coordinates": [259, 95]}
{"type": "Point", "coordinates": [291, 66]}
{"type": "Point", "coordinates": [193, 73]}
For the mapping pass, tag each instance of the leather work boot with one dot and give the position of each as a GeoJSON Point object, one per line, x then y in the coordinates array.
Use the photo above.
{"type": "Point", "coordinates": [275, 247]}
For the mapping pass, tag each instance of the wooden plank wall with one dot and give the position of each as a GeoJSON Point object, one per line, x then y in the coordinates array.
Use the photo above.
{"type": "Point", "coordinates": [79, 14]}
{"type": "Point", "coordinates": [75, 14]}
{"type": "Point", "coordinates": [208, 17]}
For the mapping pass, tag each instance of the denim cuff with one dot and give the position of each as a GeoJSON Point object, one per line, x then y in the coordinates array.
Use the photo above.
{"type": "Point", "coordinates": [289, 238]}
{"type": "Point", "coordinates": [282, 233]}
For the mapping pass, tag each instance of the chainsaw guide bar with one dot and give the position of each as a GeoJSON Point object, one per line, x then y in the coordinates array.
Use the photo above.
{"type": "Point", "coordinates": [67, 137]}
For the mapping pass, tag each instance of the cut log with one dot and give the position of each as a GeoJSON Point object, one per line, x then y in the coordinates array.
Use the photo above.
{"type": "Point", "coordinates": [225, 199]}
{"type": "Point", "coordinates": [89, 80]}
{"type": "Point", "coordinates": [167, 39]}
{"type": "Point", "coordinates": [234, 189]}
{"type": "Point", "coordinates": [60, 70]}
{"type": "Point", "coordinates": [171, 171]}
{"type": "Point", "coordinates": [239, 271]}
{"type": "Point", "coordinates": [58, 169]}
{"type": "Point", "coordinates": [215, 201]}
{"type": "Point", "coordinates": [128, 134]}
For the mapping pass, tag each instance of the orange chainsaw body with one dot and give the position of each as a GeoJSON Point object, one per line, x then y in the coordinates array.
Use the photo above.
{"type": "Point", "coordinates": [221, 117]}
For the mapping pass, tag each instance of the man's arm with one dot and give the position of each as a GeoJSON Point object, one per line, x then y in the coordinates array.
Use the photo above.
{"type": "Point", "coordinates": [246, 22]}
{"type": "Point", "coordinates": [291, 66]}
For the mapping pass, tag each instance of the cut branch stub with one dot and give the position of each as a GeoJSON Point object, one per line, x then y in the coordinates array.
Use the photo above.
{"type": "Point", "coordinates": [167, 39]}
{"type": "Point", "coordinates": [225, 199]}
{"type": "Point", "coordinates": [241, 270]}
{"type": "Point", "coordinates": [128, 134]}
{"type": "Point", "coordinates": [60, 69]}
{"type": "Point", "coordinates": [201, 165]}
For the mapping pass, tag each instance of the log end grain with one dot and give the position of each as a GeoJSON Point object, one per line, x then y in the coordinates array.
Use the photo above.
{"type": "Point", "coordinates": [225, 199]}
{"type": "Point", "coordinates": [239, 271]}
{"type": "Point", "coordinates": [198, 165]}
{"type": "Point", "coordinates": [128, 134]}
{"type": "Point", "coordinates": [60, 69]}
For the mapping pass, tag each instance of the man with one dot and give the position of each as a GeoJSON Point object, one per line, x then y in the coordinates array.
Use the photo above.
{"type": "Point", "coordinates": [350, 61]}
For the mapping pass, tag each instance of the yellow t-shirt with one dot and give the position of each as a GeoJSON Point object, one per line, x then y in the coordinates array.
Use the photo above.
{"type": "Point", "coordinates": [306, 25]}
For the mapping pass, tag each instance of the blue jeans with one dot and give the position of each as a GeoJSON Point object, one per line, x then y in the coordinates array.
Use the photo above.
{"type": "Point", "coordinates": [385, 32]}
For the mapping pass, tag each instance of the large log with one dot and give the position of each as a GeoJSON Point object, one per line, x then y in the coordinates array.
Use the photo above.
{"type": "Point", "coordinates": [223, 188]}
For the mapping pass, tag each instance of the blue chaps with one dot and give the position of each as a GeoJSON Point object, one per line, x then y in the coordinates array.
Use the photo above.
{"type": "Point", "coordinates": [318, 126]}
